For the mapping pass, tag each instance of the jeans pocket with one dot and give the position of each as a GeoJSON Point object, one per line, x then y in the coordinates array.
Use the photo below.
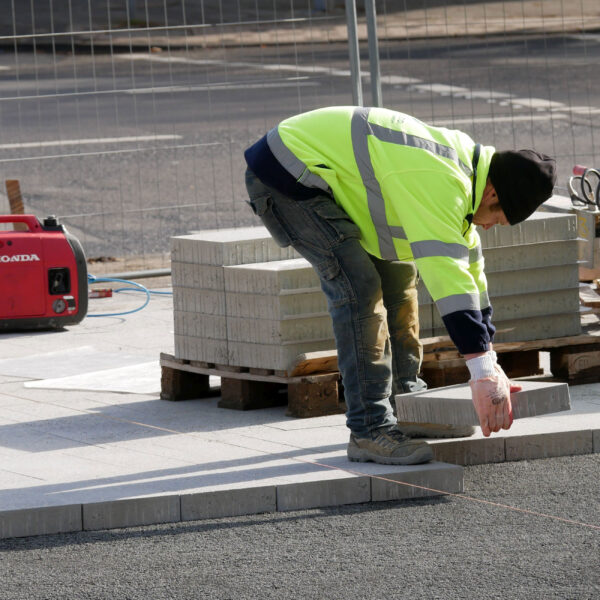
{"type": "Point", "coordinates": [263, 208]}
{"type": "Point", "coordinates": [334, 220]}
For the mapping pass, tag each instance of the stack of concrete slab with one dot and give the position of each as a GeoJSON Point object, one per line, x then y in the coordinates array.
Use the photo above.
{"type": "Point", "coordinates": [275, 311]}
{"type": "Point", "coordinates": [241, 300]}
{"type": "Point", "coordinates": [533, 280]}
{"type": "Point", "coordinates": [198, 263]}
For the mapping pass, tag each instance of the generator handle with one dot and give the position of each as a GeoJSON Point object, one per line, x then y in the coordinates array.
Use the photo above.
{"type": "Point", "coordinates": [30, 220]}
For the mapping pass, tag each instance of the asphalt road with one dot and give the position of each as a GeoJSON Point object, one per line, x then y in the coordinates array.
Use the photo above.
{"type": "Point", "coordinates": [443, 548]}
{"type": "Point", "coordinates": [131, 148]}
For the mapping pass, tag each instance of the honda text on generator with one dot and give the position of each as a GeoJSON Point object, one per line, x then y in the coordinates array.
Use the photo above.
{"type": "Point", "coordinates": [43, 275]}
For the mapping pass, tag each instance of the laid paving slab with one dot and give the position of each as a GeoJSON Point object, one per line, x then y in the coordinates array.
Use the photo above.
{"type": "Point", "coordinates": [71, 459]}
{"type": "Point", "coordinates": [453, 405]}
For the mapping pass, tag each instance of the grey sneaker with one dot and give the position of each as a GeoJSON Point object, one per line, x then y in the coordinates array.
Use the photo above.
{"type": "Point", "coordinates": [390, 447]}
{"type": "Point", "coordinates": [433, 430]}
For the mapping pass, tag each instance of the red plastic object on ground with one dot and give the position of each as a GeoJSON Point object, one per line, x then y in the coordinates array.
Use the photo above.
{"type": "Point", "coordinates": [43, 275]}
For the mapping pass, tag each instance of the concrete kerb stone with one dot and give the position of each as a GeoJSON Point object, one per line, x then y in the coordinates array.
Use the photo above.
{"type": "Point", "coordinates": [596, 441]}
{"type": "Point", "coordinates": [547, 445]}
{"type": "Point", "coordinates": [132, 512]}
{"type": "Point", "coordinates": [228, 503]}
{"type": "Point", "coordinates": [45, 520]}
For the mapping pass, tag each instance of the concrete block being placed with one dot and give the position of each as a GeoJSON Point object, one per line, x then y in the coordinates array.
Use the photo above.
{"type": "Point", "coordinates": [453, 405]}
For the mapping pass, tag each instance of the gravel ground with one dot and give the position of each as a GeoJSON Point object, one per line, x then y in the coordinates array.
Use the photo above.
{"type": "Point", "coordinates": [443, 548]}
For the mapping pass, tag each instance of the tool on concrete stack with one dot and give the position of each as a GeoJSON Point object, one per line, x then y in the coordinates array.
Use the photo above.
{"type": "Point", "coordinates": [43, 275]}
{"type": "Point", "coordinates": [584, 187]}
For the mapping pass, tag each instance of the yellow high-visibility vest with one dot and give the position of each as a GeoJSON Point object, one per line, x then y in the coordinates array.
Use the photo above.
{"type": "Point", "coordinates": [407, 185]}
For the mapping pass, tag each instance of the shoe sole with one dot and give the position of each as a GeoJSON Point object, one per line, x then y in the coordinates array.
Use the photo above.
{"type": "Point", "coordinates": [414, 430]}
{"type": "Point", "coordinates": [419, 456]}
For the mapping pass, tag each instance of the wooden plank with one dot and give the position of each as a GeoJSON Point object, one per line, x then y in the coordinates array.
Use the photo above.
{"type": "Point", "coordinates": [169, 361]}
{"type": "Point", "coordinates": [15, 201]}
{"type": "Point", "coordinates": [314, 362]}
{"type": "Point", "coordinates": [314, 399]}
{"type": "Point", "coordinates": [238, 394]}
{"type": "Point", "coordinates": [578, 363]}
{"type": "Point", "coordinates": [176, 384]}
{"type": "Point", "coordinates": [589, 296]}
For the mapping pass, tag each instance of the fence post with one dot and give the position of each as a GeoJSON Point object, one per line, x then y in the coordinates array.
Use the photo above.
{"type": "Point", "coordinates": [371, 15]}
{"type": "Point", "coordinates": [130, 11]}
{"type": "Point", "coordinates": [357, 97]}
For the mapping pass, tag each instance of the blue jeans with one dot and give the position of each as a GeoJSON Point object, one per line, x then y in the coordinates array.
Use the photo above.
{"type": "Point", "coordinates": [372, 303]}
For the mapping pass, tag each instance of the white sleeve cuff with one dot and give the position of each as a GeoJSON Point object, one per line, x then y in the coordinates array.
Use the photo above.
{"type": "Point", "coordinates": [482, 366]}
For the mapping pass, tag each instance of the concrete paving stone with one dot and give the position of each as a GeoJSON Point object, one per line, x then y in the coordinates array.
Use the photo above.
{"type": "Point", "coordinates": [537, 328]}
{"type": "Point", "coordinates": [546, 445]}
{"type": "Point", "coordinates": [346, 489]}
{"type": "Point", "coordinates": [190, 275]}
{"type": "Point", "coordinates": [260, 306]}
{"type": "Point", "coordinates": [40, 521]}
{"type": "Point", "coordinates": [419, 481]}
{"type": "Point", "coordinates": [228, 503]}
{"type": "Point", "coordinates": [272, 356]}
{"type": "Point", "coordinates": [131, 512]}
{"type": "Point", "coordinates": [529, 281]}
{"type": "Point", "coordinates": [530, 256]}
{"type": "Point", "coordinates": [202, 349]}
{"type": "Point", "coordinates": [469, 451]}
{"type": "Point", "coordinates": [234, 246]}
{"type": "Point", "coordinates": [271, 277]}
{"type": "Point", "coordinates": [267, 331]}
{"type": "Point", "coordinates": [453, 405]}
{"type": "Point", "coordinates": [596, 440]}
{"type": "Point", "coordinates": [208, 302]}
{"type": "Point", "coordinates": [212, 327]}
{"type": "Point", "coordinates": [523, 281]}
{"type": "Point", "coordinates": [524, 306]}
{"type": "Point", "coordinates": [531, 328]}
{"type": "Point", "coordinates": [540, 227]}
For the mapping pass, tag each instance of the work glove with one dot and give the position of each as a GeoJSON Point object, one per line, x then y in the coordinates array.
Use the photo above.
{"type": "Point", "coordinates": [514, 387]}
{"type": "Point", "coordinates": [490, 390]}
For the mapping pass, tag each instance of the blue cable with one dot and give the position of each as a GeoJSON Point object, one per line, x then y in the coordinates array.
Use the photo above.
{"type": "Point", "coordinates": [138, 287]}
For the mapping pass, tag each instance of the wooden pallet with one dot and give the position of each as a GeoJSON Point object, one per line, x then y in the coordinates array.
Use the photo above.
{"type": "Point", "coordinates": [245, 388]}
{"type": "Point", "coordinates": [312, 386]}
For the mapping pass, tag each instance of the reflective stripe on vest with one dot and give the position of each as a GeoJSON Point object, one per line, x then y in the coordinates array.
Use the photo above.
{"type": "Point", "coordinates": [360, 130]}
{"type": "Point", "coordinates": [292, 164]}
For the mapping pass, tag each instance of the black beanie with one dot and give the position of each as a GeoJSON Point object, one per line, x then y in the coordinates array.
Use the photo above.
{"type": "Point", "coordinates": [523, 179]}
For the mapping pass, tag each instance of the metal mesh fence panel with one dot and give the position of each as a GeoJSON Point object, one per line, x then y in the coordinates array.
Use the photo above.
{"type": "Point", "coordinates": [128, 119]}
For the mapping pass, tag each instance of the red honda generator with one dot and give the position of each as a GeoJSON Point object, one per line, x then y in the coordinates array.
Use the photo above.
{"type": "Point", "coordinates": [43, 275]}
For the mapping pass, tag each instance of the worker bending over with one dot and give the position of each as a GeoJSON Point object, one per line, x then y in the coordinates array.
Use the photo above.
{"type": "Point", "coordinates": [373, 199]}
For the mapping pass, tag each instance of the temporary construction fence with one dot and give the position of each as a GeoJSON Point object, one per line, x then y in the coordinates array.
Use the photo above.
{"type": "Point", "coordinates": [128, 119]}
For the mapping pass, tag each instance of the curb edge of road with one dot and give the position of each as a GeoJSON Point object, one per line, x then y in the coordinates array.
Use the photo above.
{"type": "Point", "coordinates": [182, 508]}
{"type": "Point", "coordinates": [177, 42]}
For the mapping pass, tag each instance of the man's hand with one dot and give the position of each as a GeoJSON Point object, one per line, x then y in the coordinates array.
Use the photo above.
{"type": "Point", "coordinates": [491, 398]}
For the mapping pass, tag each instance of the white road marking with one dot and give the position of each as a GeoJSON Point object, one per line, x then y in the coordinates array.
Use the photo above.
{"type": "Point", "coordinates": [496, 119]}
{"type": "Point", "coordinates": [110, 140]}
{"type": "Point", "coordinates": [504, 99]}
{"type": "Point", "coordinates": [175, 89]}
